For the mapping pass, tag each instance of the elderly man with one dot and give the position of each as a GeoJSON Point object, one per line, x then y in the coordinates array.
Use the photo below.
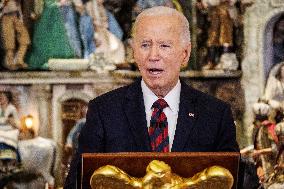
{"type": "Point", "coordinates": [158, 112]}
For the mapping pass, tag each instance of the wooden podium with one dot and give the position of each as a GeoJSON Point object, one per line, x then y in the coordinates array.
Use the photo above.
{"type": "Point", "coordinates": [185, 164]}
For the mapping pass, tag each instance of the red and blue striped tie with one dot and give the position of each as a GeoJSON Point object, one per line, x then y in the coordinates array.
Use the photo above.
{"type": "Point", "coordinates": [158, 130]}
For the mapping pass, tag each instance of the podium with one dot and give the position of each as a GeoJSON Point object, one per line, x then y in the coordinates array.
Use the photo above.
{"type": "Point", "coordinates": [185, 164]}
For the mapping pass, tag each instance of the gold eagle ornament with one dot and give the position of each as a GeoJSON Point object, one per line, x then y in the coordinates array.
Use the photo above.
{"type": "Point", "coordinates": [160, 176]}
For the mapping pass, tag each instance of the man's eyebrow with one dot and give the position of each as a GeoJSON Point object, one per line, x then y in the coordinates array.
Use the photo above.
{"type": "Point", "coordinates": [146, 41]}
{"type": "Point", "coordinates": [167, 41]}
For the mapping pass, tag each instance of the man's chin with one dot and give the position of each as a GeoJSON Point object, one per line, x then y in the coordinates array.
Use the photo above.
{"type": "Point", "coordinates": [157, 88]}
{"type": "Point", "coordinates": [154, 84]}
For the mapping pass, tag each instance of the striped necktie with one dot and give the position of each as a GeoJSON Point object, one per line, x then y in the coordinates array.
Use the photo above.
{"type": "Point", "coordinates": [158, 130]}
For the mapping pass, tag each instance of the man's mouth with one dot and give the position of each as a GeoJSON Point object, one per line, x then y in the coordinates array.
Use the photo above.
{"type": "Point", "coordinates": [155, 71]}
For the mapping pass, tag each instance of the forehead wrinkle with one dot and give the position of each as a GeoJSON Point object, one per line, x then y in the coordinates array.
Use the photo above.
{"type": "Point", "coordinates": [151, 32]}
{"type": "Point", "coordinates": [171, 23]}
{"type": "Point", "coordinates": [151, 36]}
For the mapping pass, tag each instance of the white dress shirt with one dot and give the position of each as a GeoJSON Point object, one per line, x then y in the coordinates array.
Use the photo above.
{"type": "Point", "coordinates": [172, 98]}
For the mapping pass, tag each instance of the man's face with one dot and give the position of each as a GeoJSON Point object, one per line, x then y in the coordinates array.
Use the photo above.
{"type": "Point", "coordinates": [159, 51]}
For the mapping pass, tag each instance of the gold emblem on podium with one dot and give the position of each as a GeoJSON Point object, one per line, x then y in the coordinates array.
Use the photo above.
{"type": "Point", "coordinates": [160, 176]}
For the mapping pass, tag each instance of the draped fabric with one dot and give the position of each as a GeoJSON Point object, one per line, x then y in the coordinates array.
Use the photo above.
{"type": "Point", "coordinates": [50, 39]}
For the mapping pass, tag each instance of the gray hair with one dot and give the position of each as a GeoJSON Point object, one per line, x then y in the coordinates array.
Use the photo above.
{"type": "Point", "coordinates": [165, 11]}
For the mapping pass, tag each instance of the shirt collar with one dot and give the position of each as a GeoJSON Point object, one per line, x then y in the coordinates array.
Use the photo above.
{"type": "Point", "coordinates": [172, 98]}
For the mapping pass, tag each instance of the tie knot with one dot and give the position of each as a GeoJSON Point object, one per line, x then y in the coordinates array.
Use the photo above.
{"type": "Point", "coordinates": [160, 104]}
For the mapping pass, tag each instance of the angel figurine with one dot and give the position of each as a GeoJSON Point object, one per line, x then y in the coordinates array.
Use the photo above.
{"type": "Point", "coordinates": [274, 90]}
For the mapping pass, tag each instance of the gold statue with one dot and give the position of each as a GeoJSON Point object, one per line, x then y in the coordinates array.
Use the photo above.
{"type": "Point", "coordinates": [108, 177]}
{"type": "Point", "coordinates": [159, 176]}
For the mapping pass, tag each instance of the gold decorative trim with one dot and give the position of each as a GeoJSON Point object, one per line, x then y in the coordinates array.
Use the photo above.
{"type": "Point", "coordinates": [159, 176]}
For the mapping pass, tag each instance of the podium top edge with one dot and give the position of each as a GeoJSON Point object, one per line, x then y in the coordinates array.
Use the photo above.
{"type": "Point", "coordinates": [159, 154]}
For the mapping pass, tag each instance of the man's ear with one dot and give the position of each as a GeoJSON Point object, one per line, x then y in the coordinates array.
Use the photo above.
{"type": "Point", "coordinates": [186, 55]}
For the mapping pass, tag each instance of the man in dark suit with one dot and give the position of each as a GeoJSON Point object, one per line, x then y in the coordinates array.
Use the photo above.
{"type": "Point", "coordinates": [128, 119]}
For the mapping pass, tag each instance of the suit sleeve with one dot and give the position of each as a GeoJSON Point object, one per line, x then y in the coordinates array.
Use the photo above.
{"type": "Point", "coordinates": [90, 141]}
{"type": "Point", "coordinates": [226, 140]}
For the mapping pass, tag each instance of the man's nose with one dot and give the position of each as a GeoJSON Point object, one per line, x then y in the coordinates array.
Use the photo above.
{"type": "Point", "coordinates": [154, 54]}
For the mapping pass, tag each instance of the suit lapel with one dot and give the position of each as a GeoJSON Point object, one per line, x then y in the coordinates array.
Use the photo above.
{"type": "Point", "coordinates": [186, 117]}
{"type": "Point", "coordinates": [135, 112]}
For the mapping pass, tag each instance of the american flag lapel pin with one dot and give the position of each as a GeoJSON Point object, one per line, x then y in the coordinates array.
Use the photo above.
{"type": "Point", "coordinates": [191, 114]}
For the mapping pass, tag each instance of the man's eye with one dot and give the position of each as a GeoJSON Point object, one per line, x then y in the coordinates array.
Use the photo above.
{"type": "Point", "coordinates": [145, 45]}
{"type": "Point", "coordinates": [165, 46]}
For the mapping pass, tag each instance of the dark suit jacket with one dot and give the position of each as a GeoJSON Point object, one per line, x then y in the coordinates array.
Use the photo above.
{"type": "Point", "coordinates": [116, 122]}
